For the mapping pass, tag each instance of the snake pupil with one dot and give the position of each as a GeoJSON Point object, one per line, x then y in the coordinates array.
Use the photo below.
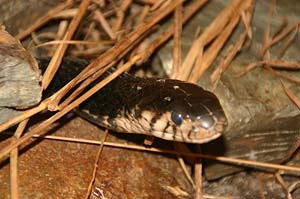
{"type": "Point", "coordinates": [176, 118]}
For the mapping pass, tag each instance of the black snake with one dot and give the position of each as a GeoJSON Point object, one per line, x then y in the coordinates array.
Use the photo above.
{"type": "Point", "coordinates": [164, 108]}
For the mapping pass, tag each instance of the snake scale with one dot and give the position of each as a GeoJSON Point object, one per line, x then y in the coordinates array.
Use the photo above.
{"type": "Point", "coordinates": [164, 108]}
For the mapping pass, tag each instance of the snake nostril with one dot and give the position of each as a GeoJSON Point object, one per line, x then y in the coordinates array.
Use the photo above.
{"type": "Point", "coordinates": [207, 121]}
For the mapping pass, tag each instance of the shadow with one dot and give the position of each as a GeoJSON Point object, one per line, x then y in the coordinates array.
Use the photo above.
{"type": "Point", "coordinates": [215, 147]}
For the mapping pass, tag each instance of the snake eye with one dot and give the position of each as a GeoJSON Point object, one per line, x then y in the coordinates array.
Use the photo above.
{"type": "Point", "coordinates": [177, 118]}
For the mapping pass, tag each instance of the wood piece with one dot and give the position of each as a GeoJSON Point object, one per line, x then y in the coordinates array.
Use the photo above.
{"type": "Point", "coordinates": [19, 76]}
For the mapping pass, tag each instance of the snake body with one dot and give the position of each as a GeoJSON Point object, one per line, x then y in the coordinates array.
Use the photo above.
{"type": "Point", "coordinates": [164, 108]}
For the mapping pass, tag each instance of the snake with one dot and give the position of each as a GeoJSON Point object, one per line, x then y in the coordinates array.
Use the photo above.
{"type": "Point", "coordinates": [165, 108]}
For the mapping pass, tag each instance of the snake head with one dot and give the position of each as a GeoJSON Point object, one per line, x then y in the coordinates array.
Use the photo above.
{"type": "Point", "coordinates": [186, 113]}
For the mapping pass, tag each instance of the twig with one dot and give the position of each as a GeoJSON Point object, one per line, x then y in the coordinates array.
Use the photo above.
{"type": "Point", "coordinates": [82, 86]}
{"type": "Point", "coordinates": [61, 30]}
{"type": "Point", "coordinates": [246, 16]}
{"type": "Point", "coordinates": [288, 42]}
{"type": "Point", "coordinates": [88, 193]}
{"type": "Point", "coordinates": [61, 49]}
{"type": "Point", "coordinates": [185, 171]}
{"type": "Point", "coordinates": [198, 176]}
{"type": "Point", "coordinates": [202, 64]}
{"type": "Point", "coordinates": [75, 42]}
{"type": "Point", "coordinates": [120, 12]}
{"type": "Point", "coordinates": [158, 4]}
{"type": "Point", "coordinates": [14, 162]}
{"type": "Point", "coordinates": [261, 187]}
{"type": "Point", "coordinates": [177, 41]}
{"type": "Point", "coordinates": [279, 37]}
{"type": "Point", "coordinates": [208, 35]}
{"type": "Point", "coordinates": [66, 14]}
{"type": "Point", "coordinates": [281, 181]}
{"type": "Point", "coordinates": [235, 161]}
{"type": "Point", "coordinates": [294, 65]}
{"type": "Point", "coordinates": [266, 34]}
{"type": "Point", "coordinates": [292, 188]}
{"type": "Point", "coordinates": [283, 64]}
{"type": "Point", "coordinates": [105, 25]}
{"type": "Point", "coordinates": [290, 94]}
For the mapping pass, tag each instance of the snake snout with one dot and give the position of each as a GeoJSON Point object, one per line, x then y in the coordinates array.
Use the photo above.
{"type": "Point", "coordinates": [206, 128]}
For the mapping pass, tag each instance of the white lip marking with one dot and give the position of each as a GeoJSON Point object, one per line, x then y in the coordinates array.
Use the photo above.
{"type": "Point", "coordinates": [148, 115]}
{"type": "Point", "coordinates": [105, 121]}
{"type": "Point", "coordinates": [145, 121]}
{"type": "Point", "coordinates": [161, 123]}
{"type": "Point", "coordinates": [145, 124]}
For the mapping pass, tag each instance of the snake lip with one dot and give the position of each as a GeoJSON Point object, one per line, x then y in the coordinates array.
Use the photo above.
{"type": "Point", "coordinates": [205, 136]}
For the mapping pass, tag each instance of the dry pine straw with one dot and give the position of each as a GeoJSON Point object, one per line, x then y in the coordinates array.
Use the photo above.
{"type": "Point", "coordinates": [53, 68]}
{"type": "Point", "coordinates": [218, 32]}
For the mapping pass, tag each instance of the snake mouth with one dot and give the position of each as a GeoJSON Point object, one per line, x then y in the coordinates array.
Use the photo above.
{"type": "Point", "coordinates": [194, 137]}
